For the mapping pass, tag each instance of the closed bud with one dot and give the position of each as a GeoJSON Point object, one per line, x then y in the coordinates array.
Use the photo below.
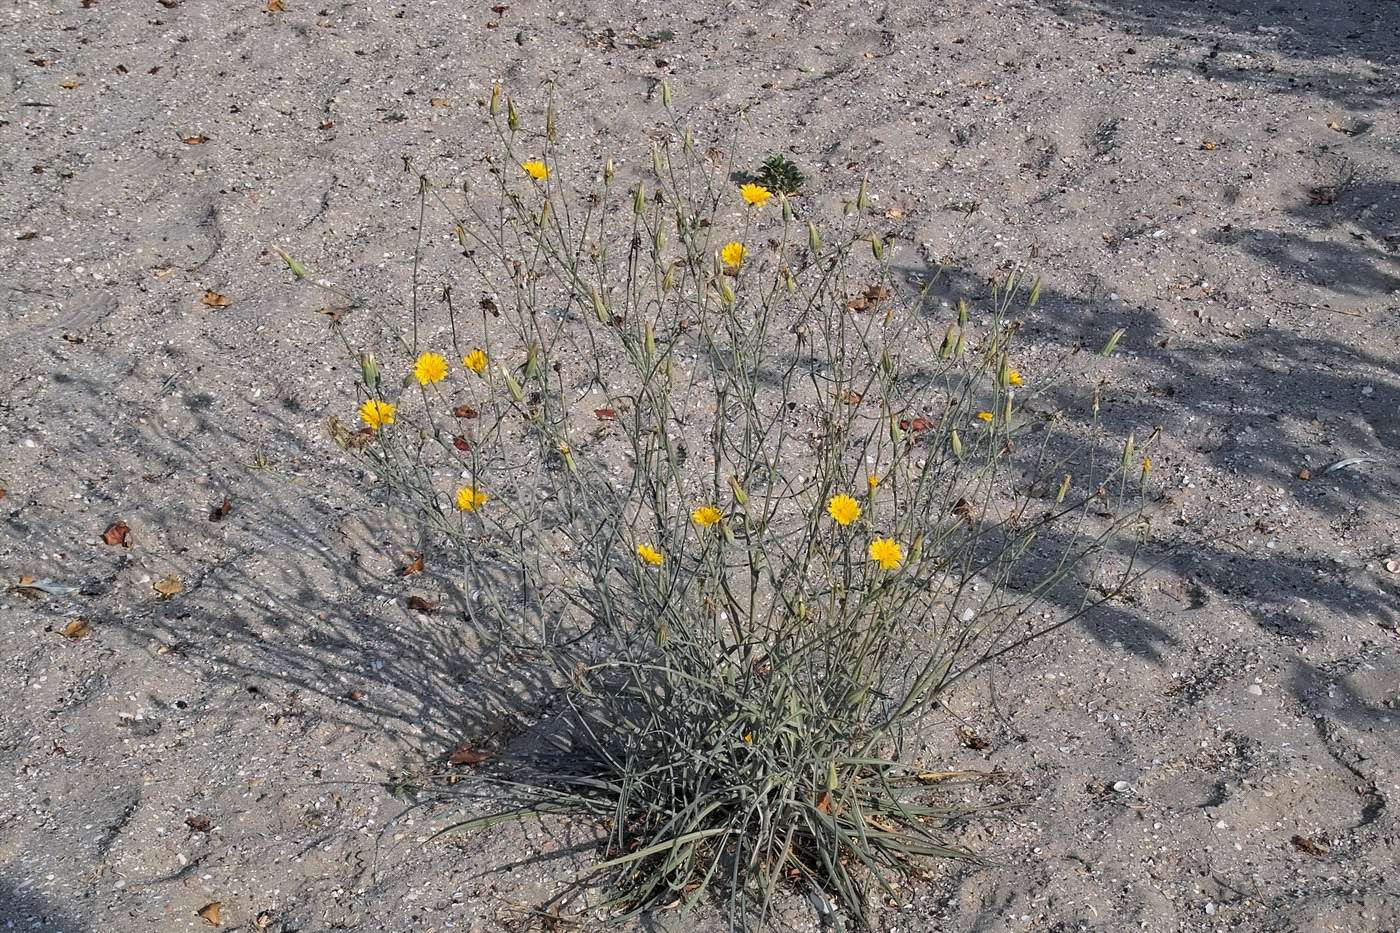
{"type": "Point", "coordinates": [369, 371]}
{"type": "Point", "coordinates": [1128, 447]}
{"type": "Point", "coordinates": [649, 341]}
{"type": "Point", "coordinates": [688, 142]}
{"type": "Point", "coordinates": [1004, 372]}
{"type": "Point", "coordinates": [495, 105]}
{"type": "Point", "coordinates": [1035, 293]}
{"type": "Point", "coordinates": [725, 292]}
{"type": "Point", "coordinates": [789, 280]}
{"type": "Point", "coordinates": [512, 386]}
{"type": "Point", "coordinates": [598, 307]}
{"type": "Point", "coordinates": [956, 442]}
{"type": "Point", "coordinates": [544, 213]}
{"type": "Point", "coordinates": [895, 432]}
{"type": "Point", "coordinates": [740, 496]}
{"type": "Point", "coordinates": [877, 247]}
{"type": "Point", "coordinates": [950, 338]}
{"type": "Point", "coordinates": [787, 209]}
{"type": "Point", "coordinates": [1006, 408]}
{"type": "Point", "coordinates": [862, 199]}
{"type": "Point", "coordinates": [549, 121]}
{"type": "Point", "coordinates": [639, 199]}
{"type": "Point", "coordinates": [665, 93]}
{"type": "Point", "coordinates": [961, 346]}
{"type": "Point", "coordinates": [962, 312]}
{"type": "Point", "coordinates": [656, 162]}
{"type": "Point", "coordinates": [668, 281]}
{"type": "Point", "coordinates": [1064, 489]}
{"type": "Point", "coordinates": [658, 240]}
{"type": "Point", "coordinates": [609, 170]}
{"type": "Point", "coordinates": [814, 239]}
{"type": "Point", "coordinates": [512, 115]}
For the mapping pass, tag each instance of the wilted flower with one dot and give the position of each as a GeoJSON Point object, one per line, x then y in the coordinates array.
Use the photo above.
{"type": "Point", "coordinates": [872, 480]}
{"type": "Point", "coordinates": [376, 413]}
{"type": "Point", "coordinates": [887, 553]}
{"type": "Point", "coordinates": [535, 169]}
{"type": "Point", "coordinates": [843, 509]}
{"type": "Point", "coordinates": [430, 368]}
{"type": "Point", "coordinates": [985, 416]}
{"type": "Point", "coordinates": [733, 253]}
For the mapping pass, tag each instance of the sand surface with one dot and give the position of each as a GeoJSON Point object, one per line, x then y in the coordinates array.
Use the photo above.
{"type": "Point", "coordinates": [1222, 179]}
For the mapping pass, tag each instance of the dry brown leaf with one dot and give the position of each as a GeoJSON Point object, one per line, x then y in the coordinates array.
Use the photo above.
{"type": "Point", "coordinates": [356, 695]}
{"type": "Point", "coordinates": [969, 739]}
{"type": "Point", "coordinates": [116, 534]}
{"type": "Point", "coordinates": [199, 822]}
{"type": "Point", "coordinates": [414, 566]}
{"type": "Point", "coordinates": [419, 604]}
{"type": "Point", "coordinates": [468, 756]}
{"type": "Point", "coordinates": [465, 411]}
{"type": "Point", "coordinates": [1305, 474]}
{"type": "Point", "coordinates": [264, 920]}
{"type": "Point", "coordinates": [197, 139]}
{"type": "Point", "coordinates": [162, 273]}
{"type": "Point", "coordinates": [1310, 845]}
{"type": "Point", "coordinates": [440, 102]}
{"type": "Point", "coordinates": [213, 914]}
{"type": "Point", "coordinates": [76, 629]}
{"type": "Point", "coordinates": [221, 511]}
{"type": "Point", "coordinates": [1208, 146]}
{"type": "Point", "coordinates": [213, 299]}
{"type": "Point", "coordinates": [168, 587]}
{"type": "Point", "coordinates": [276, 6]}
{"type": "Point", "coordinates": [604, 414]}
{"type": "Point", "coordinates": [70, 84]}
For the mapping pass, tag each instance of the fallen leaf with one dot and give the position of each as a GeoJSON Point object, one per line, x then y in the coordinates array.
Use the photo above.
{"type": "Point", "coordinates": [414, 566]}
{"type": "Point", "coordinates": [419, 604]}
{"type": "Point", "coordinates": [969, 739]}
{"type": "Point", "coordinates": [965, 510]}
{"type": "Point", "coordinates": [469, 756]}
{"type": "Point", "coordinates": [264, 920]}
{"type": "Point", "coordinates": [604, 414]}
{"type": "Point", "coordinates": [76, 629]}
{"type": "Point", "coordinates": [198, 822]}
{"type": "Point", "coordinates": [213, 299]}
{"type": "Point", "coordinates": [440, 102]}
{"type": "Point", "coordinates": [276, 6]}
{"type": "Point", "coordinates": [2, 492]}
{"type": "Point", "coordinates": [27, 235]}
{"type": "Point", "coordinates": [1310, 845]}
{"type": "Point", "coordinates": [162, 273]}
{"type": "Point", "coordinates": [116, 534]}
{"type": "Point", "coordinates": [198, 139]}
{"type": "Point", "coordinates": [356, 695]}
{"type": "Point", "coordinates": [1305, 474]}
{"type": "Point", "coordinates": [220, 512]}
{"type": "Point", "coordinates": [461, 443]}
{"type": "Point", "coordinates": [824, 802]}
{"type": "Point", "coordinates": [326, 124]}
{"type": "Point", "coordinates": [168, 587]}
{"type": "Point", "coordinates": [893, 213]}
{"type": "Point", "coordinates": [212, 914]}
{"type": "Point", "coordinates": [70, 84]}
{"type": "Point", "coordinates": [1209, 146]}
{"type": "Point", "coordinates": [465, 411]}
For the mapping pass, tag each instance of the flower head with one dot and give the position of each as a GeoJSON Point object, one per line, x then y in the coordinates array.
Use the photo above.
{"type": "Point", "coordinates": [985, 416]}
{"type": "Point", "coordinates": [756, 195]}
{"type": "Point", "coordinates": [430, 368]}
{"type": "Point", "coordinates": [843, 509]}
{"type": "Point", "coordinates": [650, 554]}
{"type": "Point", "coordinates": [535, 169]}
{"type": "Point", "coordinates": [733, 253]}
{"type": "Point", "coordinates": [469, 498]}
{"type": "Point", "coordinates": [475, 361]}
{"type": "Point", "coordinates": [1146, 465]}
{"type": "Point", "coordinates": [872, 480]}
{"type": "Point", "coordinates": [1014, 377]}
{"type": "Point", "coordinates": [887, 553]}
{"type": "Point", "coordinates": [706, 515]}
{"type": "Point", "coordinates": [376, 413]}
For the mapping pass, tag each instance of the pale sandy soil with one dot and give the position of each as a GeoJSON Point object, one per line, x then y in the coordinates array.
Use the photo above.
{"type": "Point", "coordinates": [1221, 179]}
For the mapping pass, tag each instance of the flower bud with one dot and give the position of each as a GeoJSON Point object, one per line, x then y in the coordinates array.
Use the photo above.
{"type": "Point", "coordinates": [740, 496]}
{"type": "Point", "coordinates": [1064, 489]}
{"type": "Point", "coordinates": [862, 199]}
{"type": "Point", "coordinates": [665, 93]}
{"type": "Point", "coordinates": [369, 371]}
{"type": "Point", "coordinates": [814, 239]}
{"type": "Point", "coordinates": [956, 442]}
{"type": "Point", "coordinates": [639, 199]}
{"type": "Point", "coordinates": [1112, 342]}
{"type": "Point", "coordinates": [725, 292]}
{"type": "Point", "coordinates": [609, 170]}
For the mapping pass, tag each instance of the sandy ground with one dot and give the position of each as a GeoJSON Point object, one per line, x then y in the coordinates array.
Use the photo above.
{"type": "Point", "coordinates": [1222, 179]}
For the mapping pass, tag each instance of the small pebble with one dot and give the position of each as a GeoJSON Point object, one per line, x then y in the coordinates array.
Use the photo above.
{"type": "Point", "coordinates": [1256, 690]}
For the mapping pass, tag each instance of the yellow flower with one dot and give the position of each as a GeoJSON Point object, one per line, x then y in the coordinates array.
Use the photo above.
{"type": "Point", "coordinates": [430, 368]}
{"type": "Point", "coordinates": [843, 509]}
{"type": "Point", "coordinates": [757, 195]}
{"type": "Point", "coordinates": [887, 553]}
{"type": "Point", "coordinates": [535, 169]}
{"type": "Point", "coordinates": [469, 498]}
{"type": "Point", "coordinates": [1014, 377]}
{"type": "Point", "coordinates": [748, 738]}
{"type": "Point", "coordinates": [475, 361]}
{"type": "Point", "coordinates": [376, 414]}
{"type": "Point", "coordinates": [650, 554]}
{"type": "Point", "coordinates": [1146, 465]}
{"type": "Point", "coordinates": [872, 480]}
{"type": "Point", "coordinates": [985, 416]}
{"type": "Point", "coordinates": [733, 254]}
{"type": "Point", "coordinates": [706, 515]}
